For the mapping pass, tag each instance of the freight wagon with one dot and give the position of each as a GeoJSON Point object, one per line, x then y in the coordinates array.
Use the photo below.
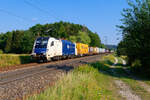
{"type": "Point", "coordinates": [82, 49]}
{"type": "Point", "coordinates": [91, 50]}
{"type": "Point", "coordinates": [101, 50]}
{"type": "Point", "coordinates": [68, 49]}
{"type": "Point", "coordinates": [95, 50]}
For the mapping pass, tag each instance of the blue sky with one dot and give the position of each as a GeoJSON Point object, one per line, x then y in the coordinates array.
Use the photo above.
{"type": "Point", "coordinates": [100, 16]}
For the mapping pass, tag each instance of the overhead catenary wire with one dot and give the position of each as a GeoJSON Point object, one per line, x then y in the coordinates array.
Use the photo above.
{"type": "Point", "coordinates": [39, 9]}
{"type": "Point", "coordinates": [15, 15]}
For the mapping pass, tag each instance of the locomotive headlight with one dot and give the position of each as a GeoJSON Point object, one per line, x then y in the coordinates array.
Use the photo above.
{"type": "Point", "coordinates": [44, 53]}
{"type": "Point", "coordinates": [33, 54]}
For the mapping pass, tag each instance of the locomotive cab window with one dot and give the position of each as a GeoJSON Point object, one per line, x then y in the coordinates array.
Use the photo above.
{"type": "Point", "coordinates": [52, 43]}
{"type": "Point", "coordinates": [41, 43]}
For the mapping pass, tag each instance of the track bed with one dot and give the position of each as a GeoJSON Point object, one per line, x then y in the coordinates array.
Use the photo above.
{"type": "Point", "coordinates": [22, 82]}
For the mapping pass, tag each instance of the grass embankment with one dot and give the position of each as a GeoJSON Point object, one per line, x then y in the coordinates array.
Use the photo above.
{"type": "Point", "coordinates": [14, 59]}
{"type": "Point", "coordinates": [83, 83]}
{"type": "Point", "coordinates": [93, 82]}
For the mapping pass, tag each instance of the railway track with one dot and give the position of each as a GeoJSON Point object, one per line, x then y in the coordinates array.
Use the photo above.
{"type": "Point", "coordinates": [30, 76]}
{"type": "Point", "coordinates": [7, 77]}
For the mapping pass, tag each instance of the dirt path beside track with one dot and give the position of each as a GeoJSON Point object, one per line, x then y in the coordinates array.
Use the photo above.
{"type": "Point", "coordinates": [124, 89]}
{"type": "Point", "coordinates": [141, 83]}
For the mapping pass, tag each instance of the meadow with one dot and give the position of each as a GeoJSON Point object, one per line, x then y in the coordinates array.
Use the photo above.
{"type": "Point", "coordinates": [14, 59]}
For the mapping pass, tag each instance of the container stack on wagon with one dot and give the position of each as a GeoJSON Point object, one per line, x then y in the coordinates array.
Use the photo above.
{"type": "Point", "coordinates": [48, 48]}
{"type": "Point", "coordinates": [102, 50]}
{"type": "Point", "coordinates": [82, 49]}
{"type": "Point", "coordinates": [97, 50]}
{"type": "Point", "coordinates": [91, 50]}
{"type": "Point", "coordinates": [68, 49]}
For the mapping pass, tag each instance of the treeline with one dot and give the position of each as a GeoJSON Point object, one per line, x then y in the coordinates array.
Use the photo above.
{"type": "Point", "coordinates": [20, 41]}
{"type": "Point", "coordinates": [136, 35]}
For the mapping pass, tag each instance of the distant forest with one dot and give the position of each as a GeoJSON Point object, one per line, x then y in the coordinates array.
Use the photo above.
{"type": "Point", "coordinates": [114, 47]}
{"type": "Point", "coordinates": [21, 41]}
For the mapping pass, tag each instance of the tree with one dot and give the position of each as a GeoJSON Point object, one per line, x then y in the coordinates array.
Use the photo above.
{"type": "Point", "coordinates": [83, 38]}
{"type": "Point", "coordinates": [8, 43]}
{"type": "Point", "coordinates": [73, 38]}
{"type": "Point", "coordinates": [136, 32]}
{"type": "Point", "coordinates": [95, 40]}
{"type": "Point", "coordinates": [121, 49]}
{"type": "Point", "coordinates": [37, 30]}
{"type": "Point", "coordinates": [20, 41]}
{"type": "Point", "coordinates": [16, 41]}
{"type": "Point", "coordinates": [27, 42]}
{"type": "Point", "coordinates": [3, 39]}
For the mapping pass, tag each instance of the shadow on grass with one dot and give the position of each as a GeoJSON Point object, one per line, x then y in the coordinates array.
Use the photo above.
{"type": "Point", "coordinates": [119, 64]}
{"type": "Point", "coordinates": [26, 59]}
{"type": "Point", "coordinates": [61, 67]}
{"type": "Point", "coordinates": [102, 66]}
{"type": "Point", "coordinates": [120, 71]}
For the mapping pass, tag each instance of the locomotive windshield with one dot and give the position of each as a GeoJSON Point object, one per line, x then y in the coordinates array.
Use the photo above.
{"type": "Point", "coordinates": [41, 42]}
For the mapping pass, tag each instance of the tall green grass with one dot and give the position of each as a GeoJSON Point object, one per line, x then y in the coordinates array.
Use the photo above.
{"type": "Point", "coordinates": [83, 83]}
{"type": "Point", "coordinates": [14, 59]}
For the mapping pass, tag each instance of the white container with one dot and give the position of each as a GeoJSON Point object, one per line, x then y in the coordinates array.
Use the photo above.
{"type": "Point", "coordinates": [97, 50]}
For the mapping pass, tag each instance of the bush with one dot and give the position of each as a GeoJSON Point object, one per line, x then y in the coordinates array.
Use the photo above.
{"type": "Point", "coordinates": [1, 51]}
{"type": "Point", "coordinates": [136, 64]}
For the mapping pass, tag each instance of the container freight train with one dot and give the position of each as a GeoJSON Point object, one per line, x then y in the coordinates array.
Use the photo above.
{"type": "Point", "coordinates": [49, 48]}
